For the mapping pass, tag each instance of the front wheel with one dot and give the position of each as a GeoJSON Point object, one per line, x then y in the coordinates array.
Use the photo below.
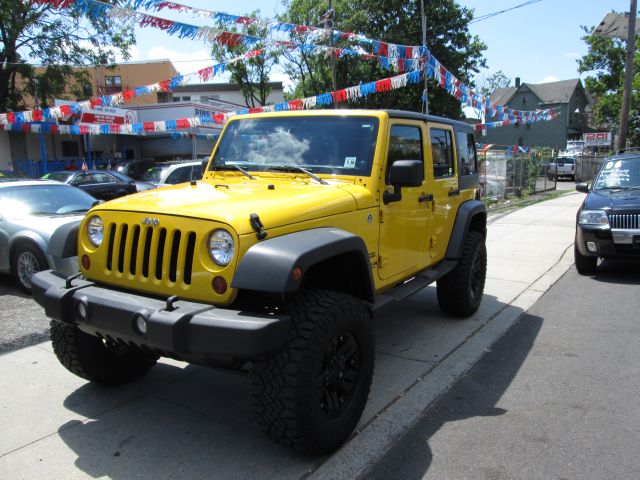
{"type": "Point", "coordinates": [26, 260]}
{"type": "Point", "coordinates": [98, 360]}
{"type": "Point", "coordinates": [310, 395]}
{"type": "Point", "coordinates": [460, 291]}
{"type": "Point", "coordinates": [586, 265]}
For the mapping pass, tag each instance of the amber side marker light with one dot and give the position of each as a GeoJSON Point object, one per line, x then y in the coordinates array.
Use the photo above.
{"type": "Point", "coordinates": [219, 285]}
{"type": "Point", "coordinates": [86, 263]}
{"type": "Point", "coordinates": [296, 274]}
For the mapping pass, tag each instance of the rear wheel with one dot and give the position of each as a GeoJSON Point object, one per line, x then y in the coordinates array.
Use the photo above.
{"type": "Point", "coordinates": [310, 395]}
{"type": "Point", "coordinates": [95, 359]}
{"type": "Point", "coordinates": [460, 291]}
{"type": "Point", "coordinates": [586, 265]}
{"type": "Point", "coordinates": [26, 260]}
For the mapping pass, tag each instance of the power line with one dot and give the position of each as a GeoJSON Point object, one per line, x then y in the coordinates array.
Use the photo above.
{"type": "Point", "coordinates": [494, 14]}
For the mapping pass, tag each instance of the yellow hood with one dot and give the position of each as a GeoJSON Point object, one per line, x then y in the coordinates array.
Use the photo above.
{"type": "Point", "coordinates": [277, 203]}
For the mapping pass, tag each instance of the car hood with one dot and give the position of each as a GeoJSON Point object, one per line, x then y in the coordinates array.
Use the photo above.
{"type": "Point", "coordinates": [231, 203]}
{"type": "Point", "coordinates": [43, 225]}
{"type": "Point", "coordinates": [612, 200]}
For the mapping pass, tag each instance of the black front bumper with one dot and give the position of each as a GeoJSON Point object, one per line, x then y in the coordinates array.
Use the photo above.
{"type": "Point", "coordinates": [609, 243]}
{"type": "Point", "coordinates": [187, 330]}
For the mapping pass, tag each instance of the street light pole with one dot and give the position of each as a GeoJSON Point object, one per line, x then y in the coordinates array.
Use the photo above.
{"type": "Point", "coordinates": [628, 76]}
{"type": "Point", "coordinates": [328, 18]}
{"type": "Point", "coordinates": [43, 147]}
{"type": "Point", "coordinates": [425, 103]}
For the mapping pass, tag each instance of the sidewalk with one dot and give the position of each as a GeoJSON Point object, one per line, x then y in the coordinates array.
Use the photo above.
{"type": "Point", "coordinates": [193, 422]}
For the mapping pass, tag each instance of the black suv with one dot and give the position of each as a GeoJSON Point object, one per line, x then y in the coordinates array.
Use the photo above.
{"type": "Point", "coordinates": [608, 221]}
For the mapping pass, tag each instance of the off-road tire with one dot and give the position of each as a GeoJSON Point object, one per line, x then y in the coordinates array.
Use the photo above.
{"type": "Point", "coordinates": [460, 291]}
{"type": "Point", "coordinates": [311, 394]}
{"type": "Point", "coordinates": [26, 260]}
{"type": "Point", "coordinates": [585, 265]}
{"type": "Point", "coordinates": [96, 360]}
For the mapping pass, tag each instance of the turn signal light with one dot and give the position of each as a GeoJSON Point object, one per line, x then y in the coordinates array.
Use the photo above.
{"type": "Point", "coordinates": [86, 263]}
{"type": "Point", "coordinates": [219, 285]}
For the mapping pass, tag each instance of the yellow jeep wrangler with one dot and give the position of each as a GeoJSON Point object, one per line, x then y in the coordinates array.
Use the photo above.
{"type": "Point", "coordinates": [304, 225]}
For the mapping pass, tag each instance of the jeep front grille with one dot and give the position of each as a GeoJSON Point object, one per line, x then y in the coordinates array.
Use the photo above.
{"type": "Point", "coordinates": [627, 221]}
{"type": "Point", "coordinates": [151, 252]}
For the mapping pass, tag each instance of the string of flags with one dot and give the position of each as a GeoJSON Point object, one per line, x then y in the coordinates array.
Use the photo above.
{"type": "Point", "coordinates": [19, 121]}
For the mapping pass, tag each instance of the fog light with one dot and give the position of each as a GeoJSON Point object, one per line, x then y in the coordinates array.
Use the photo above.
{"type": "Point", "coordinates": [140, 324]}
{"type": "Point", "coordinates": [219, 285]}
{"type": "Point", "coordinates": [81, 310]}
{"type": "Point", "coordinates": [592, 247]}
{"type": "Point", "coordinates": [86, 263]}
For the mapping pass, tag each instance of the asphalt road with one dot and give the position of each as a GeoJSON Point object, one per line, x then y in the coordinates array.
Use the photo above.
{"type": "Point", "coordinates": [22, 320]}
{"type": "Point", "coordinates": [556, 397]}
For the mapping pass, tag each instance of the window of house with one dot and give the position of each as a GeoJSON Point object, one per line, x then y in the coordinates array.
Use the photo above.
{"type": "Point", "coordinates": [405, 143]}
{"type": "Point", "coordinates": [467, 153]}
{"type": "Point", "coordinates": [442, 152]}
{"type": "Point", "coordinates": [187, 98]}
{"type": "Point", "coordinates": [113, 84]}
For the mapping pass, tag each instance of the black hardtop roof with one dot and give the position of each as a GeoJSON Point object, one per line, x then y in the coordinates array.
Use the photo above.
{"type": "Point", "coordinates": [429, 118]}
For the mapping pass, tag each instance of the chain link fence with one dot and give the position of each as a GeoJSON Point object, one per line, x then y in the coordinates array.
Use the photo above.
{"type": "Point", "coordinates": [503, 173]}
{"type": "Point", "coordinates": [587, 167]}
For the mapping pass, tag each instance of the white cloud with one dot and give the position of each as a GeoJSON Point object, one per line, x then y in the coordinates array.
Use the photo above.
{"type": "Point", "coordinates": [549, 79]}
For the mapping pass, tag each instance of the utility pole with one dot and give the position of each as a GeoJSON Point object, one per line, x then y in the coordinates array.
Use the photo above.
{"type": "Point", "coordinates": [425, 102]}
{"type": "Point", "coordinates": [628, 76]}
{"type": "Point", "coordinates": [43, 147]}
{"type": "Point", "coordinates": [329, 17]}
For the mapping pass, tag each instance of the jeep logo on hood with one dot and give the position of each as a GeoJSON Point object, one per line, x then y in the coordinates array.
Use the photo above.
{"type": "Point", "coordinates": [151, 221]}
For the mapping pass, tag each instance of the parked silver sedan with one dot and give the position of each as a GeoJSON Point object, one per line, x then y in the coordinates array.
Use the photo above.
{"type": "Point", "coordinates": [30, 212]}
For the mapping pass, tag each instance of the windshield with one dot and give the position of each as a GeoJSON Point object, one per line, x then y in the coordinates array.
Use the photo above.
{"type": "Point", "coordinates": [59, 176]}
{"type": "Point", "coordinates": [619, 174]}
{"type": "Point", "coordinates": [22, 200]}
{"type": "Point", "coordinates": [565, 160]}
{"type": "Point", "coordinates": [153, 174]}
{"type": "Point", "coordinates": [325, 145]}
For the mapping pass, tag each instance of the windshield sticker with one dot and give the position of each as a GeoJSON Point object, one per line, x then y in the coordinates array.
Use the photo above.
{"type": "Point", "coordinates": [609, 165]}
{"type": "Point", "coordinates": [350, 162]}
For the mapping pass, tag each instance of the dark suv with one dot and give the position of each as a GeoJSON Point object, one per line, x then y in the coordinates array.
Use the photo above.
{"type": "Point", "coordinates": [608, 221]}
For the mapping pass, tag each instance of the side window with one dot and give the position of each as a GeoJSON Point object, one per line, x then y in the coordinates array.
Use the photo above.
{"type": "Point", "coordinates": [103, 178]}
{"type": "Point", "coordinates": [179, 175]}
{"type": "Point", "coordinates": [466, 153]}
{"type": "Point", "coordinates": [405, 143]}
{"type": "Point", "coordinates": [442, 151]}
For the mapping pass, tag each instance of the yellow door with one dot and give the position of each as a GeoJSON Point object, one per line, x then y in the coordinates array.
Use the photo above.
{"type": "Point", "coordinates": [404, 224]}
{"type": "Point", "coordinates": [442, 171]}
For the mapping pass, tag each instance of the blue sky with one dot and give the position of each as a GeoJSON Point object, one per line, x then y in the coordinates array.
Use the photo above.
{"type": "Point", "coordinates": [539, 42]}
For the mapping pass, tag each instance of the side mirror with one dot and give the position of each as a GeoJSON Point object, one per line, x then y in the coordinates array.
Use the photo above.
{"type": "Point", "coordinates": [583, 187]}
{"type": "Point", "coordinates": [403, 173]}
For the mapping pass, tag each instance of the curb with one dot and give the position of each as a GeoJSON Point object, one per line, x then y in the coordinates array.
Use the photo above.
{"type": "Point", "coordinates": [377, 437]}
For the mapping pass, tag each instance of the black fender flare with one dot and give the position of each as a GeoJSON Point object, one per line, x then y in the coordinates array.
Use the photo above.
{"type": "Point", "coordinates": [64, 241]}
{"type": "Point", "coordinates": [267, 266]}
{"type": "Point", "coordinates": [466, 213]}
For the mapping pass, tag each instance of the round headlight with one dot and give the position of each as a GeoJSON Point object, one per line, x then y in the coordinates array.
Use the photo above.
{"type": "Point", "coordinates": [221, 247]}
{"type": "Point", "coordinates": [95, 230]}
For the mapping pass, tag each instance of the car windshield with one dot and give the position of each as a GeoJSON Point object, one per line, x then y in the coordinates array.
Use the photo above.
{"type": "Point", "coordinates": [565, 160]}
{"type": "Point", "coordinates": [321, 144]}
{"type": "Point", "coordinates": [153, 174]}
{"type": "Point", "coordinates": [20, 200]}
{"type": "Point", "coordinates": [619, 174]}
{"type": "Point", "coordinates": [59, 176]}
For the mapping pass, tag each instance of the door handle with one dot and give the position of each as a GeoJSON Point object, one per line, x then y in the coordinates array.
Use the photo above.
{"type": "Point", "coordinates": [425, 198]}
{"type": "Point", "coordinates": [454, 192]}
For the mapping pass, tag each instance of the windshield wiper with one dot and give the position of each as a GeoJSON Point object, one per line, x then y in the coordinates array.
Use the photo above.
{"type": "Point", "coordinates": [231, 167]}
{"type": "Point", "coordinates": [295, 168]}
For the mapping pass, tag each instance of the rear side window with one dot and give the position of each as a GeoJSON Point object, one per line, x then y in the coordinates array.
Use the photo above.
{"type": "Point", "coordinates": [466, 153]}
{"type": "Point", "coordinates": [442, 152]}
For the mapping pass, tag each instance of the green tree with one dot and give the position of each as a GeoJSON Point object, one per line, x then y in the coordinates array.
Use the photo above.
{"type": "Point", "coordinates": [250, 74]}
{"type": "Point", "coordinates": [606, 61]}
{"type": "Point", "coordinates": [487, 84]}
{"type": "Point", "coordinates": [58, 39]}
{"type": "Point", "coordinates": [391, 21]}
